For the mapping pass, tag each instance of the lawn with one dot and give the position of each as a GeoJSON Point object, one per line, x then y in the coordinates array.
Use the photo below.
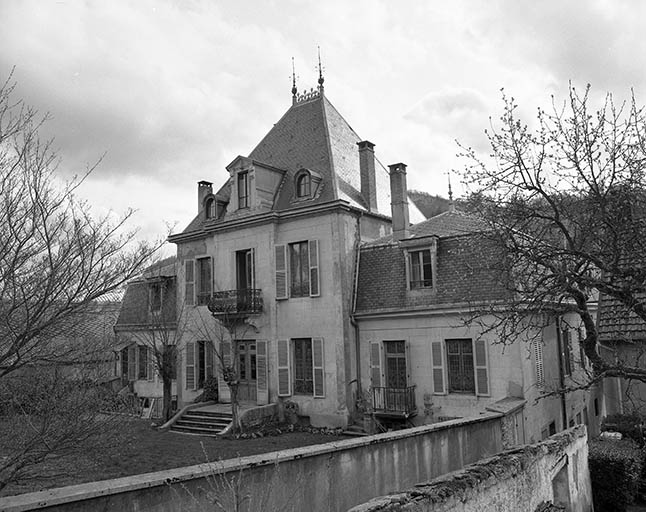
{"type": "Point", "coordinates": [141, 449]}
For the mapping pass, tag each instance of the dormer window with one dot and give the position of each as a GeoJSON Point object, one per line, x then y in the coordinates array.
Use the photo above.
{"type": "Point", "coordinates": [155, 291]}
{"type": "Point", "coordinates": [210, 208]}
{"type": "Point", "coordinates": [304, 185]}
{"type": "Point", "coordinates": [421, 269]}
{"type": "Point", "coordinates": [243, 189]}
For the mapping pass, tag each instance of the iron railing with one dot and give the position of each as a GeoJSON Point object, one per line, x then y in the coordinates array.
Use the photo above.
{"type": "Point", "coordinates": [236, 302]}
{"type": "Point", "coordinates": [394, 400]}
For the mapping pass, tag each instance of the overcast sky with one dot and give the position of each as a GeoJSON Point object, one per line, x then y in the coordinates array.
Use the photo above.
{"type": "Point", "coordinates": [172, 92]}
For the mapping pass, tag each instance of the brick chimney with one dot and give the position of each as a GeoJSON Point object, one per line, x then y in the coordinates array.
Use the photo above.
{"type": "Point", "coordinates": [367, 171]}
{"type": "Point", "coordinates": [204, 188]}
{"type": "Point", "coordinates": [399, 200]}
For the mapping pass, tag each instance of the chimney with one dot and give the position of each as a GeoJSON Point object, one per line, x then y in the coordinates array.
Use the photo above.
{"type": "Point", "coordinates": [204, 188]}
{"type": "Point", "coordinates": [399, 200]}
{"type": "Point", "coordinates": [367, 171]}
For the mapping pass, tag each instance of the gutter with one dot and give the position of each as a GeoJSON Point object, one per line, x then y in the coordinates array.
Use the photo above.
{"type": "Point", "coordinates": [353, 321]}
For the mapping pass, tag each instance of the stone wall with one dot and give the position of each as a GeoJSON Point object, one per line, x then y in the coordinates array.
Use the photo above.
{"type": "Point", "coordinates": [331, 476]}
{"type": "Point", "coordinates": [524, 478]}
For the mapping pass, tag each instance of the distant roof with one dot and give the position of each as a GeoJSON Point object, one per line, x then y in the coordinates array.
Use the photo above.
{"type": "Point", "coordinates": [163, 268]}
{"type": "Point", "coordinates": [312, 134]}
{"type": "Point", "coordinates": [616, 323]}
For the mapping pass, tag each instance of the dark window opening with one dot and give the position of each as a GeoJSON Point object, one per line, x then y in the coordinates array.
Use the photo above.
{"type": "Point", "coordinates": [459, 354]}
{"type": "Point", "coordinates": [303, 367]}
{"type": "Point", "coordinates": [205, 281]}
{"type": "Point", "coordinates": [143, 362]}
{"type": "Point", "coordinates": [303, 185]}
{"type": "Point", "coordinates": [243, 190]}
{"type": "Point", "coordinates": [299, 266]}
{"type": "Point", "coordinates": [210, 208]}
{"type": "Point", "coordinates": [421, 271]}
{"type": "Point", "coordinates": [395, 352]}
{"type": "Point", "coordinates": [155, 297]}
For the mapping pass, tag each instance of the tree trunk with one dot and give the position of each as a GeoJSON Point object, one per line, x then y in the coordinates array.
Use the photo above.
{"type": "Point", "coordinates": [234, 408]}
{"type": "Point", "coordinates": [168, 398]}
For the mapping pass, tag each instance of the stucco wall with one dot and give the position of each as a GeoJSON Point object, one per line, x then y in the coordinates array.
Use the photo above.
{"type": "Point", "coordinates": [554, 470]}
{"type": "Point", "coordinates": [331, 476]}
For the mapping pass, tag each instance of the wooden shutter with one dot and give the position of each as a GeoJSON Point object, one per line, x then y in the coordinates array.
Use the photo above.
{"type": "Point", "coordinates": [281, 272]}
{"type": "Point", "coordinates": [251, 265]}
{"type": "Point", "coordinates": [315, 290]}
{"type": "Point", "coordinates": [208, 359]}
{"type": "Point", "coordinates": [190, 365]}
{"type": "Point", "coordinates": [284, 377]}
{"type": "Point", "coordinates": [482, 372]}
{"type": "Point", "coordinates": [437, 356]}
{"type": "Point", "coordinates": [375, 364]}
{"type": "Point", "coordinates": [224, 393]}
{"type": "Point", "coordinates": [409, 369]}
{"type": "Point", "coordinates": [262, 389]}
{"type": "Point", "coordinates": [151, 364]}
{"type": "Point", "coordinates": [132, 362]}
{"type": "Point", "coordinates": [538, 361]}
{"type": "Point", "coordinates": [318, 367]}
{"type": "Point", "coordinates": [189, 282]}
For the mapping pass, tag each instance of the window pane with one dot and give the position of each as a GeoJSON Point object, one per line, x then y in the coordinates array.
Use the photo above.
{"type": "Point", "coordinates": [459, 355]}
{"type": "Point", "coordinates": [299, 269]}
{"type": "Point", "coordinates": [243, 190]}
{"type": "Point", "coordinates": [143, 362]}
{"type": "Point", "coordinates": [303, 370]}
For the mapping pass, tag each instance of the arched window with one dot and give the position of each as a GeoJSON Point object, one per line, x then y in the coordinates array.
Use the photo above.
{"type": "Point", "coordinates": [303, 185]}
{"type": "Point", "coordinates": [210, 208]}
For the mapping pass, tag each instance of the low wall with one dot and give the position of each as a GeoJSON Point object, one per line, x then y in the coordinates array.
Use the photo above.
{"type": "Point", "coordinates": [330, 476]}
{"type": "Point", "coordinates": [554, 470]}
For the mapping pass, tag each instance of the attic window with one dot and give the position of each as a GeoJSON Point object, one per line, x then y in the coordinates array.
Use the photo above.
{"type": "Point", "coordinates": [243, 189]}
{"type": "Point", "coordinates": [210, 208]}
{"type": "Point", "coordinates": [303, 185]}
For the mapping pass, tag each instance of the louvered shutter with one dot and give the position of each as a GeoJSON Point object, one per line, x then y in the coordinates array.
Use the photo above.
{"type": "Point", "coordinates": [481, 368]}
{"type": "Point", "coordinates": [437, 356]}
{"type": "Point", "coordinates": [262, 388]}
{"type": "Point", "coordinates": [208, 356]}
{"type": "Point", "coordinates": [189, 282]}
{"type": "Point", "coordinates": [132, 362]}
{"type": "Point", "coordinates": [315, 290]}
{"type": "Point", "coordinates": [190, 365]}
{"type": "Point", "coordinates": [409, 369]}
{"type": "Point", "coordinates": [318, 367]}
{"type": "Point", "coordinates": [375, 364]}
{"type": "Point", "coordinates": [284, 377]}
{"type": "Point", "coordinates": [281, 272]}
{"type": "Point", "coordinates": [151, 364]}
{"type": "Point", "coordinates": [224, 393]}
{"type": "Point", "coordinates": [538, 361]}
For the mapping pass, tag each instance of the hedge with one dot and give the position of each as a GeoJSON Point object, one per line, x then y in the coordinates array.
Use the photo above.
{"type": "Point", "coordinates": [615, 470]}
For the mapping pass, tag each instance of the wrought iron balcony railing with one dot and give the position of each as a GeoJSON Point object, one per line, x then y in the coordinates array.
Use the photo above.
{"type": "Point", "coordinates": [394, 401]}
{"type": "Point", "coordinates": [236, 302]}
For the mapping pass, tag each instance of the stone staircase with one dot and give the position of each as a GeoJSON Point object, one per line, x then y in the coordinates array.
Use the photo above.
{"type": "Point", "coordinates": [355, 430]}
{"type": "Point", "coordinates": [204, 423]}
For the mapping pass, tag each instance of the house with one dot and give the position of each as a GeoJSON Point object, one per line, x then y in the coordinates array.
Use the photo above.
{"type": "Point", "coordinates": [145, 330]}
{"type": "Point", "coordinates": [421, 358]}
{"type": "Point", "coordinates": [267, 266]}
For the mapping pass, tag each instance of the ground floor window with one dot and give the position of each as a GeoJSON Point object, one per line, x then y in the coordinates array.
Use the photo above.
{"type": "Point", "coordinates": [303, 371]}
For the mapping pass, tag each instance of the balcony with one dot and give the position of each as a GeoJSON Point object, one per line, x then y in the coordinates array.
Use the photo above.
{"type": "Point", "coordinates": [394, 402]}
{"type": "Point", "coordinates": [236, 302]}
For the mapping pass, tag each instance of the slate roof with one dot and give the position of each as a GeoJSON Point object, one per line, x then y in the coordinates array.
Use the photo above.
{"type": "Point", "coordinates": [466, 268]}
{"type": "Point", "coordinates": [312, 134]}
{"type": "Point", "coordinates": [615, 323]}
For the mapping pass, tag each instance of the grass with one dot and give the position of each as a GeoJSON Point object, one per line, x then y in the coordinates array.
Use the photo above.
{"type": "Point", "coordinates": [138, 448]}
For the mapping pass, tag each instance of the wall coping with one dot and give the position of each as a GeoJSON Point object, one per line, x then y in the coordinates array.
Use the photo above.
{"type": "Point", "coordinates": [89, 490]}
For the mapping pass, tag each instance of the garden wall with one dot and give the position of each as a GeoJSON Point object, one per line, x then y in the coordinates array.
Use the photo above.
{"type": "Point", "coordinates": [330, 476]}
{"type": "Point", "coordinates": [524, 478]}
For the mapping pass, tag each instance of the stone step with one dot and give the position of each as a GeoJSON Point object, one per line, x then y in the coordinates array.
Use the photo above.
{"type": "Point", "coordinates": [203, 424]}
{"type": "Point", "coordinates": [207, 414]}
{"type": "Point", "coordinates": [194, 430]}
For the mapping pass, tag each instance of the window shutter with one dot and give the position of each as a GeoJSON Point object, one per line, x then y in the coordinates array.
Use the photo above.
{"type": "Point", "coordinates": [132, 362]}
{"type": "Point", "coordinates": [482, 373]}
{"type": "Point", "coordinates": [251, 262]}
{"type": "Point", "coordinates": [315, 290]}
{"type": "Point", "coordinates": [208, 356]}
{"type": "Point", "coordinates": [151, 364]}
{"type": "Point", "coordinates": [375, 364]}
{"type": "Point", "coordinates": [409, 370]}
{"type": "Point", "coordinates": [189, 282]}
{"type": "Point", "coordinates": [262, 389]}
{"type": "Point", "coordinates": [190, 365]}
{"type": "Point", "coordinates": [538, 361]}
{"type": "Point", "coordinates": [318, 367]}
{"type": "Point", "coordinates": [224, 393]}
{"type": "Point", "coordinates": [437, 355]}
{"type": "Point", "coordinates": [281, 272]}
{"type": "Point", "coordinates": [284, 377]}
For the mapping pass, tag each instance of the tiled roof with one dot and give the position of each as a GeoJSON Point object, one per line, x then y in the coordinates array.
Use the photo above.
{"type": "Point", "coordinates": [465, 272]}
{"type": "Point", "coordinates": [617, 324]}
{"type": "Point", "coordinates": [134, 307]}
{"type": "Point", "coordinates": [312, 134]}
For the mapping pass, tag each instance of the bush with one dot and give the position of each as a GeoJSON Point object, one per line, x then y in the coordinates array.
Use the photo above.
{"type": "Point", "coordinates": [210, 390]}
{"type": "Point", "coordinates": [628, 425]}
{"type": "Point", "coordinates": [615, 471]}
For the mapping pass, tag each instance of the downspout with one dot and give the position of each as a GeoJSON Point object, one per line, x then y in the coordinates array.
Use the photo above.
{"type": "Point", "coordinates": [353, 321]}
{"type": "Point", "coordinates": [559, 343]}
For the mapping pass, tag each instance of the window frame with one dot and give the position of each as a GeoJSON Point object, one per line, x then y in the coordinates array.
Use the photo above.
{"type": "Point", "coordinates": [417, 247]}
{"type": "Point", "coordinates": [461, 342]}
{"type": "Point", "coordinates": [242, 178]}
{"type": "Point", "coordinates": [306, 366]}
{"type": "Point", "coordinates": [201, 292]}
{"type": "Point", "coordinates": [151, 297]}
{"type": "Point", "coordinates": [304, 185]}
{"type": "Point", "coordinates": [304, 272]}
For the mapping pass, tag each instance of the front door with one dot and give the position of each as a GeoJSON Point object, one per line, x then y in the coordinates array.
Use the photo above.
{"type": "Point", "coordinates": [247, 368]}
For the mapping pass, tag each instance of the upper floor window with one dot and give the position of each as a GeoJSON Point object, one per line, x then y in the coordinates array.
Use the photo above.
{"type": "Point", "coordinates": [421, 269]}
{"type": "Point", "coordinates": [210, 208]}
{"type": "Point", "coordinates": [459, 355]}
{"type": "Point", "coordinates": [299, 269]}
{"type": "Point", "coordinates": [155, 297]}
{"type": "Point", "coordinates": [243, 189]}
{"type": "Point", "coordinates": [204, 280]}
{"type": "Point", "coordinates": [460, 366]}
{"type": "Point", "coordinates": [303, 185]}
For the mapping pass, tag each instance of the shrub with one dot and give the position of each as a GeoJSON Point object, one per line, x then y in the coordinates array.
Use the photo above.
{"type": "Point", "coordinates": [210, 390]}
{"type": "Point", "coordinates": [615, 470]}
{"type": "Point", "coordinates": [628, 425]}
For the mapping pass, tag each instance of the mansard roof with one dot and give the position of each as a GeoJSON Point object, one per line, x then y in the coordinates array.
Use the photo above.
{"type": "Point", "coordinates": [313, 135]}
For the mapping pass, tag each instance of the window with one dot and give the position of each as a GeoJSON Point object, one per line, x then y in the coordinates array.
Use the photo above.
{"type": "Point", "coordinates": [199, 363]}
{"type": "Point", "coordinates": [299, 269]}
{"type": "Point", "coordinates": [395, 352]}
{"type": "Point", "coordinates": [538, 359]}
{"type": "Point", "coordinates": [204, 281]}
{"type": "Point", "coordinates": [189, 282]}
{"type": "Point", "coordinates": [566, 355]}
{"type": "Point", "coordinates": [142, 372]}
{"type": "Point", "coordinates": [421, 270]}
{"type": "Point", "coordinates": [459, 355]}
{"type": "Point", "coordinates": [155, 297]}
{"type": "Point", "coordinates": [243, 190]}
{"type": "Point", "coordinates": [303, 375]}
{"type": "Point", "coordinates": [303, 185]}
{"type": "Point", "coordinates": [210, 208]}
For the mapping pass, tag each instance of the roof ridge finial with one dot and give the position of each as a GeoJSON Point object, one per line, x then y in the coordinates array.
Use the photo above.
{"type": "Point", "coordinates": [294, 89]}
{"type": "Point", "coordinates": [451, 204]}
{"type": "Point", "coordinates": [321, 79]}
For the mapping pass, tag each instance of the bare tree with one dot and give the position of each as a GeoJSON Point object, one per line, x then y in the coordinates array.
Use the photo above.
{"type": "Point", "coordinates": [56, 261]}
{"type": "Point", "coordinates": [564, 207]}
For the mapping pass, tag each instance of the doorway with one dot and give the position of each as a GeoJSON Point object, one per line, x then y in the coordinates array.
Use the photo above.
{"type": "Point", "coordinates": [247, 369]}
